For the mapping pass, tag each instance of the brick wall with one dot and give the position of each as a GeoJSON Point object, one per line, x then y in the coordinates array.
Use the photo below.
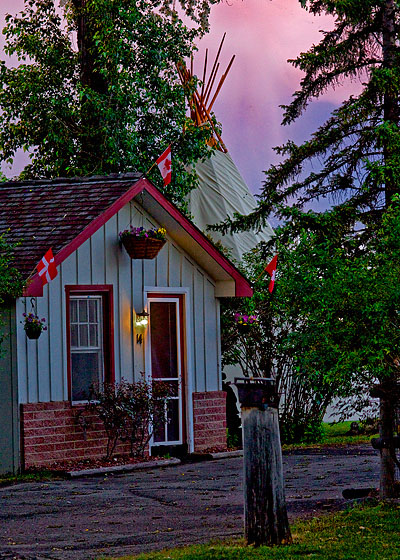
{"type": "Point", "coordinates": [209, 412]}
{"type": "Point", "coordinates": [51, 433]}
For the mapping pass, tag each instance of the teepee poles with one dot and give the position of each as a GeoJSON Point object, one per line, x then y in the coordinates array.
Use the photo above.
{"type": "Point", "coordinates": [200, 108]}
{"type": "Point", "coordinates": [222, 80]}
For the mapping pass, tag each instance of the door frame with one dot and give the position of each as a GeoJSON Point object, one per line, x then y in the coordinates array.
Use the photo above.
{"type": "Point", "coordinates": [184, 295]}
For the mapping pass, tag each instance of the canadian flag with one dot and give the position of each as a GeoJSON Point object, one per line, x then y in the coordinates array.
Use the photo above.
{"type": "Point", "coordinates": [164, 165]}
{"type": "Point", "coordinates": [271, 269]}
{"type": "Point", "coordinates": [46, 267]}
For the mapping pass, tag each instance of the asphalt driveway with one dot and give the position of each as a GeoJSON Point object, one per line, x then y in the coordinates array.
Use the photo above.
{"type": "Point", "coordinates": [85, 518]}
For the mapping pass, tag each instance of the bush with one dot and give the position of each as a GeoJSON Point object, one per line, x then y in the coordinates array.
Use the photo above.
{"type": "Point", "coordinates": [130, 412]}
{"type": "Point", "coordinates": [301, 430]}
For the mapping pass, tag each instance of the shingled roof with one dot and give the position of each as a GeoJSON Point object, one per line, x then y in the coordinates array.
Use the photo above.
{"type": "Point", "coordinates": [64, 213]}
{"type": "Point", "coordinates": [51, 213]}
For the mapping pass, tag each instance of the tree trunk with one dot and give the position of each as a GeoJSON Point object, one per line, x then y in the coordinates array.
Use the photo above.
{"type": "Point", "coordinates": [92, 134]}
{"type": "Point", "coordinates": [390, 115]}
{"type": "Point", "coordinates": [266, 521]}
{"type": "Point", "coordinates": [387, 474]}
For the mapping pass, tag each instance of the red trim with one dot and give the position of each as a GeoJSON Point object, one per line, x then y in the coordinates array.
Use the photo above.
{"type": "Point", "coordinates": [35, 287]}
{"type": "Point", "coordinates": [106, 291]}
{"type": "Point", "coordinates": [242, 286]}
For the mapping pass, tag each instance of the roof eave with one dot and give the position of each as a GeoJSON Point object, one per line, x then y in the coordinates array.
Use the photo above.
{"type": "Point", "coordinates": [229, 281]}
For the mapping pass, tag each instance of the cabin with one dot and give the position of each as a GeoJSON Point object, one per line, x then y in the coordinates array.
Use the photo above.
{"type": "Point", "coordinates": [93, 311]}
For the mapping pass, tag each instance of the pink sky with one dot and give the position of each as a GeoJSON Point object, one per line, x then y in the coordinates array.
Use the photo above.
{"type": "Point", "coordinates": [263, 34]}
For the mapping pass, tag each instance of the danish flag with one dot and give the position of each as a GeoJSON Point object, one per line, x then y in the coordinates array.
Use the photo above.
{"type": "Point", "coordinates": [164, 165]}
{"type": "Point", "coordinates": [271, 269]}
{"type": "Point", "coordinates": [46, 267]}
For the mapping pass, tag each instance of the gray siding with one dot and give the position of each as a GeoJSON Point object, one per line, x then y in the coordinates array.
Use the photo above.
{"type": "Point", "coordinates": [42, 364]}
{"type": "Point", "coordinates": [9, 432]}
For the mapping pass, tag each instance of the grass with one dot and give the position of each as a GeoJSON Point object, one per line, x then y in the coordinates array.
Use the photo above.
{"type": "Point", "coordinates": [363, 533]}
{"type": "Point", "coordinates": [335, 434]}
{"type": "Point", "coordinates": [37, 476]}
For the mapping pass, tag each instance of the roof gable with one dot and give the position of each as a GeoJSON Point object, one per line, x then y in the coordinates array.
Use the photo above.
{"type": "Point", "coordinates": [63, 214]}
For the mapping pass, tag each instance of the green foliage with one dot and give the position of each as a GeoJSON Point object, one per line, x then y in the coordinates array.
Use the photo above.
{"type": "Point", "coordinates": [348, 298]}
{"type": "Point", "coordinates": [232, 440]}
{"type": "Point", "coordinates": [331, 327]}
{"type": "Point", "coordinates": [111, 106]}
{"type": "Point", "coordinates": [339, 268]}
{"type": "Point", "coordinates": [11, 282]}
{"type": "Point", "coordinates": [266, 348]}
{"type": "Point", "coordinates": [352, 161]}
{"type": "Point", "coordinates": [297, 429]}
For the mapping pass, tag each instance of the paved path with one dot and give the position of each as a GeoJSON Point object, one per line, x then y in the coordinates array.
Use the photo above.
{"type": "Point", "coordinates": [172, 506]}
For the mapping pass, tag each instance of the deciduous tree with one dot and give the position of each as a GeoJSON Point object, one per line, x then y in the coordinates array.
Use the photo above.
{"type": "Point", "coordinates": [96, 89]}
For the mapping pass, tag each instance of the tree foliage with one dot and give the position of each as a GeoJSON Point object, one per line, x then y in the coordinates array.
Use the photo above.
{"type": "Point", "coordinates": [11, 282]}
{"type": "Point", "coordinates": [96, 90]}
{"type": "Point", "coordinates": [349, 328]}
{"type": "Point", "coordinates": [271, 346]}
{"type": "Point", "coordinates": [354, 156]}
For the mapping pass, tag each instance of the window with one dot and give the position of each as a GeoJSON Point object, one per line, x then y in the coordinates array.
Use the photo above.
{"type": "Point", "coordinates": [89, 340]}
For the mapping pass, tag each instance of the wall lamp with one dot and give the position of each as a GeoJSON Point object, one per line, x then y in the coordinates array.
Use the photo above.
{"type": "Point", "coordinates": [142, 320]}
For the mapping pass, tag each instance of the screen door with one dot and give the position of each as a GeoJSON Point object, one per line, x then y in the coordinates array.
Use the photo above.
{"type": "Point", "coordinates": [166, 366]}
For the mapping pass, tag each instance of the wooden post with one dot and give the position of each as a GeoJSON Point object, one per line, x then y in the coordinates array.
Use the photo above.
{"type": "Point", "coordinates": [265, 515]}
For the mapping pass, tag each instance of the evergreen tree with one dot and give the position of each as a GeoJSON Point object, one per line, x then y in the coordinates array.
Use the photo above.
{"type": "Point", "coordinates": [354, 159]}
{"type": "Point", "coordinates": [96, 89]}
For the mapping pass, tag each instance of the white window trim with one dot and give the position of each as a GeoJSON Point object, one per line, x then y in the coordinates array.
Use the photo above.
{"type": "Point", "coordinates": [77, 296]}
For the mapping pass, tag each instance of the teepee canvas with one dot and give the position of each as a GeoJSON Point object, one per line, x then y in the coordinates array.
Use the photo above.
{"type": "Point", "coordinates": [222, 190]}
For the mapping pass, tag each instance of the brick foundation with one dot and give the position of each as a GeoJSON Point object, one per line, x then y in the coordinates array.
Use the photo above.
{"type": "Point", "coordinates": [51, 433]}
{"type": "Point", "coordinates": [209, 417]}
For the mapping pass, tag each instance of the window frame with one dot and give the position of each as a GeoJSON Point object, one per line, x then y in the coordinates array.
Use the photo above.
{"type": "Point", "coordinates": [106, 294]}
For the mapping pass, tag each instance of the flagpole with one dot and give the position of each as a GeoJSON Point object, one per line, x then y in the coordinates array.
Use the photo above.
{"type": "Point", "coordinates": [148, 171]}
{"type": "Point", "coordinates": [259, 276]}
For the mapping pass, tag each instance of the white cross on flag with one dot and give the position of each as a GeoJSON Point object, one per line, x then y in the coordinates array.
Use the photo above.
{"type": "Point", "coordinates": [164, 165]}
{"type": "Point", "coordinates": [271, 269]}
{"type": "Point", "coordinates": [46, 267]}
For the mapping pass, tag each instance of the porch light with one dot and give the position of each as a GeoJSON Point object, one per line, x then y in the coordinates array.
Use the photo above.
{"type": "Point", "coordinates": [142, 319]}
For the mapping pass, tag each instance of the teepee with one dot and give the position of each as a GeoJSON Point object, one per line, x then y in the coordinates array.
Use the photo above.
{"type": "Point", "coordinates": [222, 190]}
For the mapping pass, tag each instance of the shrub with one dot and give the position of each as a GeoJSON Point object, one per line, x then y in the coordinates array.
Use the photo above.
{"type": "Point", "coordinates": [130, 412]}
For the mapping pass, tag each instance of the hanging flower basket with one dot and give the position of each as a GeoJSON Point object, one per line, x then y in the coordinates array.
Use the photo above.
{"type": "Point", "coordinates": [245, 323]}
{"type": "Point", "coordinates": [143, 244]}
{"type": "Point", "coordinates": [33, 326]}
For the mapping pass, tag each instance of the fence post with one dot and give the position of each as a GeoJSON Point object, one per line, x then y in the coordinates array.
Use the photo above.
{"type": "Point", "coordinates": [265, 515]}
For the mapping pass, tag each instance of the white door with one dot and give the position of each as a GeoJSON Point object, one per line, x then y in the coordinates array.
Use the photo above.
{"type": "Point", "coordinates": [165, 365]}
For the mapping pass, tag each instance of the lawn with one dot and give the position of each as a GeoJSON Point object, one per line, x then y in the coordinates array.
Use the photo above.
{"type": "Point", "coordinates": [370, 532]}
{"type": "Point", "coordinates": [334, 434]}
